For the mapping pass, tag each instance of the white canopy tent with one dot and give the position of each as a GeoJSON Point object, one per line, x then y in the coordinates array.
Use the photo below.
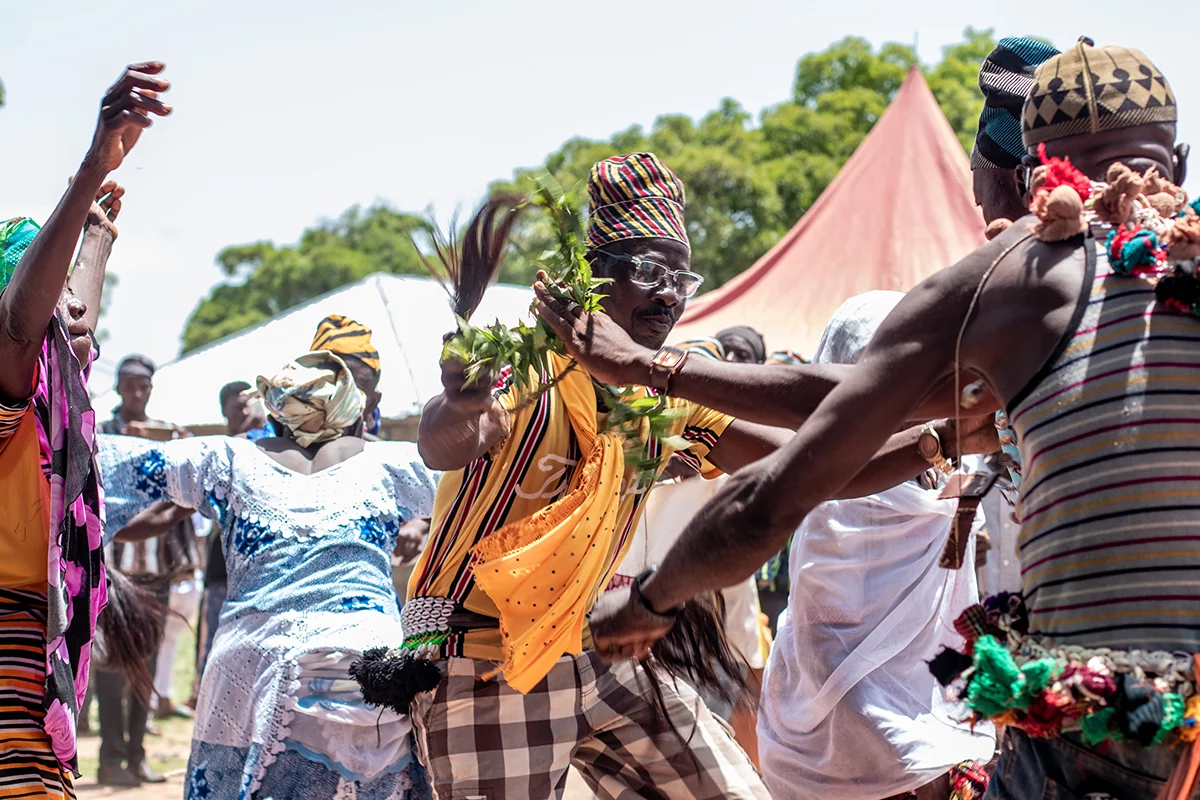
{"type": "Point", "coordinates": [407, 315]}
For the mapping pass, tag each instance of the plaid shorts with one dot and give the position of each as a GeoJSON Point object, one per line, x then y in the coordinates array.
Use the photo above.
{"type": "Point", "coordinates": [482, 740]}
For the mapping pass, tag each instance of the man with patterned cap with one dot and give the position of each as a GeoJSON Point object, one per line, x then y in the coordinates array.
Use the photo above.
{"type": "Point", "coordinates": [510, 466]}
{"type": "Point", "coordinates": [1098, 367]}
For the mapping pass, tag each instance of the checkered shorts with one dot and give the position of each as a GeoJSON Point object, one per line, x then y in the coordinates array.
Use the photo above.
{"type": "Point", "coordinates": [484, 740]}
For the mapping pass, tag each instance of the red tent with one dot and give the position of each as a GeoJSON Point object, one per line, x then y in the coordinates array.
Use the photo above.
{"type": "Point", "coordinates": [901, 208]}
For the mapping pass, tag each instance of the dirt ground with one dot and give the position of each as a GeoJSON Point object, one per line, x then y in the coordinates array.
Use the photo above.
{"type": "Point", "coordinates": [168, 751]}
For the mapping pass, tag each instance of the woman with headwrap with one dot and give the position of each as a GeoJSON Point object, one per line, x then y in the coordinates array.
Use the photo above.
{"type": "Point", "coordinates": [52, 584]}
{"type": "Point", "coordinates": [308, 520]}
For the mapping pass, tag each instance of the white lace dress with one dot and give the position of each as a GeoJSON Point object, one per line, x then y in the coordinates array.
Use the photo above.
{"type": "Point", "coordinates": [309, 561]}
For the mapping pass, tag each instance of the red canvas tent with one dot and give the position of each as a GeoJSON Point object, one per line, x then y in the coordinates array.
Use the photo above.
{"type": "Point", "coordinates": [901, 208]}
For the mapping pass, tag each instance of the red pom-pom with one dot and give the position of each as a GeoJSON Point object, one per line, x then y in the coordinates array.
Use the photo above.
{"type": "Point", "coordinates": [1062, 173]}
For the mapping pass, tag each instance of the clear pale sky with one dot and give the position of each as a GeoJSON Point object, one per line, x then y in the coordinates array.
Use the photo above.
{"type": "Point", "coordinates": [287, 113]}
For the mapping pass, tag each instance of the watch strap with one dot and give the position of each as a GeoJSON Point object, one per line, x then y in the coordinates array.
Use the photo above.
{"type": "Point", "coordinates": [636, 589]}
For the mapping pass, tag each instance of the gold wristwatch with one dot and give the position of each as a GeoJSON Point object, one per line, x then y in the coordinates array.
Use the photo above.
{"type": "Point", "coordinates": [929, 446]}
{"type": "Point", "coordinates": [666, 362]}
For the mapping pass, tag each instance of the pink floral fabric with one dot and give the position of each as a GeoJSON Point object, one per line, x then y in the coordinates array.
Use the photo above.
{"type": "Point", "coordinates": [76, 586]}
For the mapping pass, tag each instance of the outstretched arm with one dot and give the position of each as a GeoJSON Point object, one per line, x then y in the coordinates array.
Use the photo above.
{"type": "Point", "coordinates": [765, 503]}
{"type": "Point", "coordinates": [779, 395]}
{"type": "Point", "coordinates": [28, 303]}
{"type": "Point", "coordinates": [897, 461]}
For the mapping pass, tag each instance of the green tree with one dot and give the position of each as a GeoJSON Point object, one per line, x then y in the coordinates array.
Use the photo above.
{"type": "Point", "coordinates": [748, 180]}
{"type": "Point", "coordinates": [264, 279]}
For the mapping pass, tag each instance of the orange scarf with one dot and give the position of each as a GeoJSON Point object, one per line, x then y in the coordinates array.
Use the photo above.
{"type": "Point", "coordinates": [544, 572]}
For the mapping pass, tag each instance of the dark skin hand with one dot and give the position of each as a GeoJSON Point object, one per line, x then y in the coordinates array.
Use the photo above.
{"type": "Point", "coordinates": [1023, 312]}
{"type": "Point", "coordinates": [37, 286]}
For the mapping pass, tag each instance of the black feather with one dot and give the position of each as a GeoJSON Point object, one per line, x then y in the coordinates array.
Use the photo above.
{"type": "Point", "coordinates": [392, 679]}
{"type": "Point", "coordinates": [948, 665]}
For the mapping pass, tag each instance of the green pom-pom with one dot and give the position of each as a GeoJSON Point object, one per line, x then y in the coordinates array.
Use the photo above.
{"type": "Point", "coordinates": [1172, 716]}
{"type": "Point", "coordinates": [996, 681]}
{"type": "Point", "coordinates": [1037, 676]}
{"type": "Point", "coordinates": [1094, 726]}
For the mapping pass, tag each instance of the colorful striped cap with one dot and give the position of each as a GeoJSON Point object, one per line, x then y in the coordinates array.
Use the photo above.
{"type": "Point", "coordinates": [1091, 89]}
{"type": "Point", "coordinates": [15, 237]}
{"type": "Point", "coordinates": [346, 338]}
{"type": "Point", "coordinates": [634, 197]}
{"type": "Point", "coordinates": [1005, 78]}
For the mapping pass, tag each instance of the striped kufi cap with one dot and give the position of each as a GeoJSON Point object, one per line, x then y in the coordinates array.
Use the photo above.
{"type": "Point", "coordinates": [634, 197]}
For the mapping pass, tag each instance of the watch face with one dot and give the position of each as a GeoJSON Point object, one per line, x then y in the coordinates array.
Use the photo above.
{"type": "Point", "coordinates": [928, 446]}
{"type": "Point", "coordinates": [668, 358]}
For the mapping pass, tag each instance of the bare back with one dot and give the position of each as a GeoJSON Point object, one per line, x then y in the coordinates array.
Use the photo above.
{"type": "Point", "coordinates": [308, 461]}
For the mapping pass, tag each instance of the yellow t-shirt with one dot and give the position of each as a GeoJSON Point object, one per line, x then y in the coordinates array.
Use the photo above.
{"type": "Point", "coordinates": [530, 470]}
{"type": "Point", "coordinates": [24, 502]}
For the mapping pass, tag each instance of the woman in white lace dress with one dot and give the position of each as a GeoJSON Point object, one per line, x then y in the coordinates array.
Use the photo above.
{"type": "Point", "coordinates": [309, 521]}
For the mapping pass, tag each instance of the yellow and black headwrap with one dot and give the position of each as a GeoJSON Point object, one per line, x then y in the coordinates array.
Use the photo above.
{"type": "Point", "coordinates": [346, 338]}
{"type": "Point", "coordinates": [1091, 89]}
{"type": "Point", "coordinates": [634, 197]}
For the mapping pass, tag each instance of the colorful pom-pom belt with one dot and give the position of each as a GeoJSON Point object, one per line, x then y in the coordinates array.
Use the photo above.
{"type": "Point", "coordinates": [1011, 677]}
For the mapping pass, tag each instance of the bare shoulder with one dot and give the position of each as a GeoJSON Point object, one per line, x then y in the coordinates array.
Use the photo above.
{"type": "Point", "coordinates": [1024, 308]}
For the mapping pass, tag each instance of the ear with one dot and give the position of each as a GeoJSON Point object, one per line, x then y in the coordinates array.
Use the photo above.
{"type": "Point", "coordinates": [1180, 163]}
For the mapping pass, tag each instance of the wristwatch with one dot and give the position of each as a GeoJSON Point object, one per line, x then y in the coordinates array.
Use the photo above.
{"type": "Point", "coordinates": [666, 362]}
{"type": "Point", "coordinates": [929, 446]}
{"type": "Point", "coordinates": [636, 590]}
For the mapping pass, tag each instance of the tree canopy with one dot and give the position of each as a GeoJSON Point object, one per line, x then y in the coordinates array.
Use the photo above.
{"type": "Point", "coordinates": [748, 180]}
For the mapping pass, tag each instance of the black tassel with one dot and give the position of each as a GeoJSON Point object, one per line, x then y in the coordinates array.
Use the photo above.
{"type": "Point", "coordinates": [948, 665]}
{"type": "Point", "coordinates": [391, 678]}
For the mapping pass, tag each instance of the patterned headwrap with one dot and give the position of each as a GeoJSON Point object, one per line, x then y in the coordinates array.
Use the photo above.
{"type": "Point", "coordinates": [1091, 89]}
{"type": "Point", "coordinates": [15, 237]}
{"type": "Point", "coordinates": [1005, 78]}
{"type": "Point", "coordinates": [315, 397]}
{"type": "Point", "coordinates": [634, 197]}
{"type": "Point", "coordinates": [786, 357]}
{"type": "Point", "coordinates": [347, 338]}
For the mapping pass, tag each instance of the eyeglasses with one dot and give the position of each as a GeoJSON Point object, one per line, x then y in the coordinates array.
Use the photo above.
{"type": "Point", "coordinates": [652, 275]}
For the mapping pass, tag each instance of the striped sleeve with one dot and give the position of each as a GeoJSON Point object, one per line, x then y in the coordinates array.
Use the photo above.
{"type": "Point", "coordinates": [703, 429]}
{"type": "Point", "coordinates": [10, 418]}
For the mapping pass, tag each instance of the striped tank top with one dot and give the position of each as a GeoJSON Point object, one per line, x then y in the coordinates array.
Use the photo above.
{"type": "Point", "coordinates": [1109, 433]}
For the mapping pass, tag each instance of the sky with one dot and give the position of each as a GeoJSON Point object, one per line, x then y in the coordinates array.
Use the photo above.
{"type": "Point", "coordinates": [287, 113]}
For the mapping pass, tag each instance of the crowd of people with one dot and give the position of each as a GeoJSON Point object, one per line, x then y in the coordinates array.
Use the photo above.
{"type": "Point", "coordinates": [788, 605]}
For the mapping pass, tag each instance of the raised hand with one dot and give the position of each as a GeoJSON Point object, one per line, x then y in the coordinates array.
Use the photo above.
{"type": "Point", "coordinates": [125, 112]}
{"type": "Point", "coordinates": [602, 346]}
{"type": "Point", "coordinates": [104, 211]}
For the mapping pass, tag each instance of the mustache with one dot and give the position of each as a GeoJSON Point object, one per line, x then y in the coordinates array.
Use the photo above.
{"type": "Point", "coordinates": [657, 313]}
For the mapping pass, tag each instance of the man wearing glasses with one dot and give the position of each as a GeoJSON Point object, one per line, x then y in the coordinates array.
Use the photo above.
{"type": "Point", "coordinates": [506, 460]}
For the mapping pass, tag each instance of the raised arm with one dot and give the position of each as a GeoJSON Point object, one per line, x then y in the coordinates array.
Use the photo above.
{"type": "Point", "coordinates": [462, 423]}
{"type": "Point", "coordinates": [27, 304]}
{"type": "Point", "coordinates": [87, 279]}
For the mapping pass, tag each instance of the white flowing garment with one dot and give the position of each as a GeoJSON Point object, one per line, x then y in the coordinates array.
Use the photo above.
{"type": "Point", "coordinates": [849, 709]}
